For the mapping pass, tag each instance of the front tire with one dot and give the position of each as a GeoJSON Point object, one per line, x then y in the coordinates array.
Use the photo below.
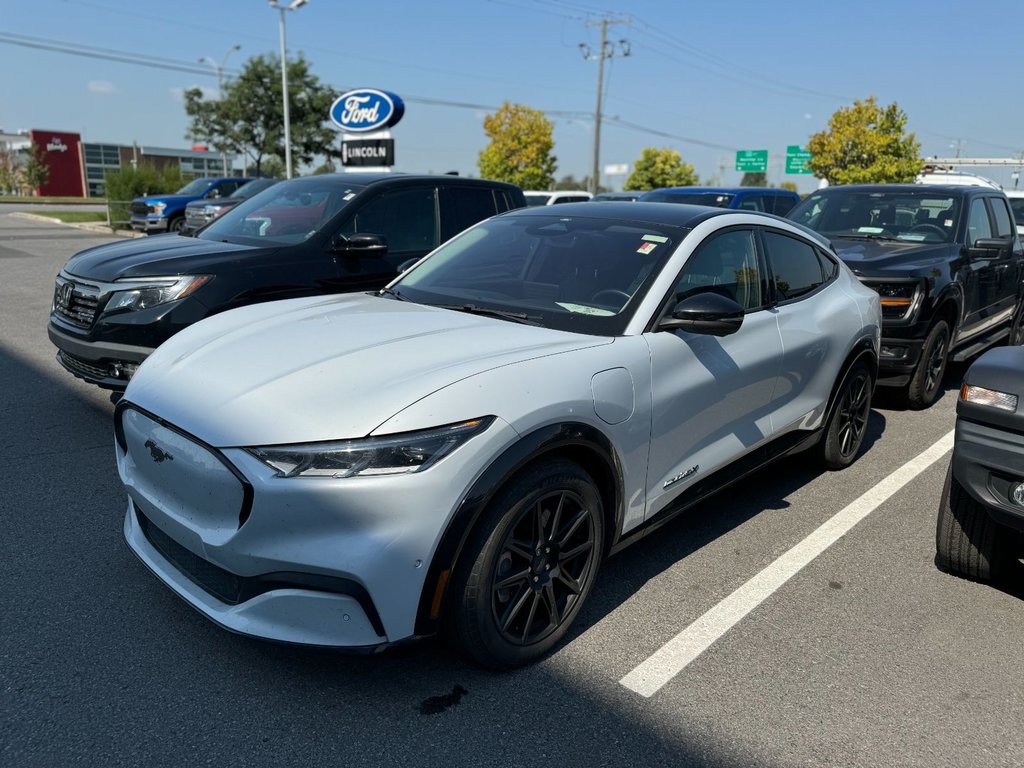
{"type": "Point", "coordinates": [848, 423]}
{"type": "Point", "coordinates": [927, 378]}
{"type": "Point", "coordinates": [1016, 337]}
{"type": "Point", "coordinates": [968, 541]}
{"type": "Point", "coordinates": [530, 564]}
{"type": "Point", "coordinates": [176, 225]}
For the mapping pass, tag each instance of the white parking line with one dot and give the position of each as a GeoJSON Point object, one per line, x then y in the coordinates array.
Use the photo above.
{"type": "Point", "coordinates": [669, 660]}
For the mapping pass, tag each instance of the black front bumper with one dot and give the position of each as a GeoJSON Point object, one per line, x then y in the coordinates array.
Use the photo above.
{"type": "Point", "coordinates": [896, 368]}
{"type": "Point", "coordinates": [104, 364]}
{"type": "Point", "coordinates": [988, 461]}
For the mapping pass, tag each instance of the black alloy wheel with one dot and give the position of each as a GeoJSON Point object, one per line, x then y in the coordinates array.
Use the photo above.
{"type": "Point", "coordinates": [926, 381]}
{"type": "Point", "coordinates": [177, 224]}
{"type": "Point", "coordinates": [528, 566]}
{"type": "Point", "coordinates": [849, 421]}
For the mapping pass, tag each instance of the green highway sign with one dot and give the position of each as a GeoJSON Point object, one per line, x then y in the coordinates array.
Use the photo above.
{"type": "Point", "coordinates": [796, 159]}
{"type": "Point", "coordinates": [752, 160]}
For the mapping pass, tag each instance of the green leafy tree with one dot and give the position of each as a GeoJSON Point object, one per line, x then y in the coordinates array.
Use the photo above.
{"type": "Point", "coordinates": [249, 117]}
{"type": "Point", "coordinates": [520, 148]}
{"type": "Point", "coordinates": [273, 168]}
{"type": "Point", "coordinates": [790, 185]}
{"type": "Point", "coordinates": [865, 143]}
{"type": "Point", "coordinates": [754, 179]}
{"type": "Point", "coordinates": [35, 172]}
{"type": "Point", "coordinates": [8, 172]}
{"type": "Point", "coordinates": [660, 168]}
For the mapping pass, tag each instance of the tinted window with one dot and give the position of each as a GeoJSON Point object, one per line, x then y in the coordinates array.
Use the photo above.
{"type": "Point", "coordinates": [468, 206]}
{"type": "Point", "coordinates": [726, 264]}
{"type": "Point", "coordinates": [406, 217]}
{"type": "Point", "coordinates": [977, 222]}
{"type": "Point", "coordinates": [714, 199]}
{"type": "Point", "coordinates": [752, 203]}
{"type": "Point", "coordinates": [796, 269]}
{"type": "Point", "coordinates": [537, 199]}
{"type": "Point", "coordinates": [1004, 224]}
{"type": "Point", "coordinates": [1017, 205]}
{"type": "Point", "coordinates": [783, 204]}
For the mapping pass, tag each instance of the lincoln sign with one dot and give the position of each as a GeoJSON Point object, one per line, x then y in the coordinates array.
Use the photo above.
{"type": "Point", "coordinates": [366, 109]}
{"type": "Point", "coordinates": [368, 152]}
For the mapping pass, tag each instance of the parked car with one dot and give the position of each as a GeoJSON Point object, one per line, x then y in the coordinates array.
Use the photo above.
{"type": "Point", "coordinates": [460, 450]}
{"type": "Point", "coordinates": [937, 175]}
{"type": "Point", "coordinates": [764, 199]}
{"type": "Point", "coordinates": [619, 197]}
{"type": "Point", "coordinates": [114, 304]}
{"type": "Point", "coordinates": [166, 213]}
{"type": "Point", "coordinates": [538, 197]}
{"type": "Point", "coordinates": [946, 261]}
{"type": "Point", "coordinates": [199, 213]}
{"type": "Point", "coordinates": [981, 513]}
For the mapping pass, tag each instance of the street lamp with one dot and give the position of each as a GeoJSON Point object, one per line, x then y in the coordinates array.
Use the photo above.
{"type": "Point", "coordinates": [294, 5]}
{"type": "Point", "coordinates": [219, 68]}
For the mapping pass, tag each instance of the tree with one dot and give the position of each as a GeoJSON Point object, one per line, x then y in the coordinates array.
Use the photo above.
{"type": "Point", "coordinates": [520, 148]}
{"type": "Point", "coordinates": [36, 172]}
{"type": "Point", "coordinates": [790, 185]}
{"type": "Point", "coordinates": [754, 179]}
{"type": "Point", "coordinates": [249, 116]}
{"type": "Point", "coordinates": [660, 168]}
{"type": "Point", "coordinates": [273, 168]}
{"type": "Point", "coordinates": [865, 143]}
{"type": "Point", "coordinates": [8, 172]}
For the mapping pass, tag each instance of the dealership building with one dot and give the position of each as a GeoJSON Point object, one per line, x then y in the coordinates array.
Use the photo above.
{"type": "Point", "coordinates": [78, 168]}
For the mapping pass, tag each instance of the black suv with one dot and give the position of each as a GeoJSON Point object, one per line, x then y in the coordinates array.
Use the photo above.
{"type": "Point", "coordinates": [114, 304]}
{"type": "Point", "coordinates": [946, 261]}
{"type": "Point", "coordinates": [981, 514]}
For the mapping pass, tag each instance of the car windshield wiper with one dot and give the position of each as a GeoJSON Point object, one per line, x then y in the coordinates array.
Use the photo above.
{"type": "Point", "coordinates": [865, 236]}
{"type": "Point", "coordinates": [391, 292]}
{"type": "Point", "coordinates": [504, 314]}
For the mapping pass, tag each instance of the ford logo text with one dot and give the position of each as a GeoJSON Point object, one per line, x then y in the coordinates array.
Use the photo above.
{"type": "Point", "coordinates": [366, 109]}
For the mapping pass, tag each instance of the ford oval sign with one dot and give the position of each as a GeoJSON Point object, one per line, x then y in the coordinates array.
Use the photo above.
{"type": "Point", "coordinates": [366, 109]}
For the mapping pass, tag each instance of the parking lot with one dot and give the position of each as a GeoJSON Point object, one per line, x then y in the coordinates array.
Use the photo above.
{"type": "Point", "coordinates": [868, 655]}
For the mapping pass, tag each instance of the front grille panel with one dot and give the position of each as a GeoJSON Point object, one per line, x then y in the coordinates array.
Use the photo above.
{"type": "Point", "coordinates": [81, 367]}
{"type": "Point", "coordinates": [75, 302]}
{"type": "Point", "coordinates": [139, 209]}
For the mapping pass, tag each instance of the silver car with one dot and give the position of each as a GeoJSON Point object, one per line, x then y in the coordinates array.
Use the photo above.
{"type": "Point", "coordinates": [460, 451]}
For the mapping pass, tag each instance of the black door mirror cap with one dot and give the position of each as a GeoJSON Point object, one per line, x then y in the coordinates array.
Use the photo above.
{"type": "Point", "coordinates": [360, 244]}
{"type": "Point", "coordinates": [706, 313]}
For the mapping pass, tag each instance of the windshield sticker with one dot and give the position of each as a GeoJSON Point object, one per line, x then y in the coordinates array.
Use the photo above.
{"type": "Point", "coordinates": [909, 236]}
{"type": "Point", "coordinates": [654, 239]}
{"type": "Point", "coordinates": [947, 223]}
{"type": "Point", "coordinates": [646, 248]}
{"type": "Point", "coordinates": [581, 309]}
{"type": "Point", "coordinates": [349, 196]}
{"type": "Point", "coordinates": [871, 230]}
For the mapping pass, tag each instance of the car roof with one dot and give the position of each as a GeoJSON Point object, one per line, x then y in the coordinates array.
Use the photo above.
{"type": "Point", "coordinates": [380, 178]}
{"type": "Point", "coordinates": [925, 189]}
{"type": "Point", "coordinates": [727, 190]}
{"type": "Point", "coordinates": [671, 214]}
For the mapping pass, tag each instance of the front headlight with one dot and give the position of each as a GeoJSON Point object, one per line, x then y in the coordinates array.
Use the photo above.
{"type": "Point", "coordinates": [898, 299]}
{"type": "Point", "coordinates": [157, 208]}
{"type": "Point", "coordinates": [990, 397]}
{"type": "Point", "coordinates": [399, 454]}
{"type": "Point", "coordinates": [155, 290]}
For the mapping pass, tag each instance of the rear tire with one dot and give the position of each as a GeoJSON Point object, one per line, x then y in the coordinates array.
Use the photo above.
{"type": "Point", "coordinates": [1016, 337]}
{"type": "Point", "coordinates": [848, 423]}
{"type": "Point", "coordinates": [967, 541]}
{"type": "Point", "coordinates": [530, 564]}
{"type": "Point", "coordinates": [926, 381]}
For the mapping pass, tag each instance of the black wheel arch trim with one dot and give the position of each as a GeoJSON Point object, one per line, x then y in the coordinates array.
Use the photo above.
{"type": "Point", "coordinates": [565, 436]}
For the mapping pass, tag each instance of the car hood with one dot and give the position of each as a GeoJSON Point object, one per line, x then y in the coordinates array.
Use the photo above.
{"type": "Point", "coordinates": [866, 256]}
{"type": "Point", "coordinates": [151, 199]}
{"type": "Point", "coordinates": [221, 202]}
{"type": "Point", "coordinates": [157, 255]}
{"type": "Point", "coordinates": [314, 369]}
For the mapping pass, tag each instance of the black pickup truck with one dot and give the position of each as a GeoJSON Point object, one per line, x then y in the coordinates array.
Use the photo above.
{"type": "Point", "coordinates": [946, 261]}
{"type": "Point", "coordinates": [981, 514]}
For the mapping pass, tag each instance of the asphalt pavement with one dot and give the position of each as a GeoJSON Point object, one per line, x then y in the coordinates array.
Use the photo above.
{"type": "Point", "coordinates": [867, 656]}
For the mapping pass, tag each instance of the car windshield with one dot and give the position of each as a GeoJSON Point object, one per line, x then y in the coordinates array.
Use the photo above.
{"type": "Point", "coordinates": [905, 215]}
{"type": "Point", "coordinates": [579, 274]}
{"type": "Point", "coordinates": [194, 187]}
{"type": "Point", "coordinates": [537, 199]}
{"type": "Point", "coordinates": [714, 199]}
{"type": "Point", "coordinates": [286, 213]}
{"type": "Point", "coordinates": [251, 188]}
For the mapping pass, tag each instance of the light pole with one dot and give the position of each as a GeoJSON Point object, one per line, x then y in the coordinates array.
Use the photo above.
{"type": "Point", "coordinates": [294, 5]}
{"type": "Point", "coordinates": [219, 69]}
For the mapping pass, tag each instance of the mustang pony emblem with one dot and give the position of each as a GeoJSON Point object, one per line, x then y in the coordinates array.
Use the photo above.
{"type": "Point", "coordinates": [158, 454]}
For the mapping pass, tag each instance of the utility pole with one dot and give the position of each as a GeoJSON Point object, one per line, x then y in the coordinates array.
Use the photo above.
{"type": "Point", "coordinates": [606, 51]}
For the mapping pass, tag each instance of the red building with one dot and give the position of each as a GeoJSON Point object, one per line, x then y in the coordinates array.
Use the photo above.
{"type": "Point", "coordinates": [63, 155]}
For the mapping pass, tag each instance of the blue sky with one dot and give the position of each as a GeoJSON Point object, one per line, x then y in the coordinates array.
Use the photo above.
{"type": "Point", "coordinates": [743, 74]}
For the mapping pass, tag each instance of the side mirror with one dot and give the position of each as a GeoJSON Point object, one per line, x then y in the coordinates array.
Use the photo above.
{"type": "Point", "coordinates": [212, 194]}
{"type": "Point", "coordinates": [705, 313]}
{"type": "Point", "coordinates": [360, 245]}
{"type": "Point", "coordinates": [408, 264]}
{"type": "Point", "coordinates": [991, 247]}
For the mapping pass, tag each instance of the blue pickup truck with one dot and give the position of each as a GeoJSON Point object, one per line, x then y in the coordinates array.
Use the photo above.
{"type": "Point", "coordinates": [166, 213]}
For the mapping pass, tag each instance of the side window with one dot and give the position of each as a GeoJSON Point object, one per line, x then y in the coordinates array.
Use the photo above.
{"type": "Point", "coordinates": [783, 204]}
{"type": "Point", "coordinates": [725, 264]}
{"type": "Point", "coordinates": [796, 269]}
{"type": "Point", "coordinates": [1004, 224]}
{"type": "Point", "coordinates": [752, 203]}
{"type": "Point", "coordinates": [406, 217]}
{"type": "Point", "coordinates": [978, 226]}
{"type": "Point", "coordinates": [466, 206]}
